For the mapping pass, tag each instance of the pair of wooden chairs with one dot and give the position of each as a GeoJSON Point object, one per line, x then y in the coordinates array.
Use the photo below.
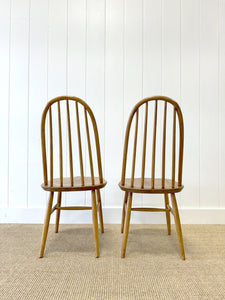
{"type": "Point", "coordinates": [152, 159]}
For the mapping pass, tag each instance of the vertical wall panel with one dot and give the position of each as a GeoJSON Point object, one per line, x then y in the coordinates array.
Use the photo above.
{"type": "Point", "coordinates": [152, 48]}
{"type": "Point", "coordinates": [57, 56]}
{"type": "Point", "coordinates": [133, 49]}
{"type": "Point", "coordinates": [5, 88]}
{"type": "Point", "coordinates": [190, 100]}
{"type": "Point", "coordinates": [37, 98]}
{"type": "Point", "coordinates": [171, 49]}
{"type": "Point", "coordinates": [112, 54]}
{"type": "Point", "coordinates": [152, 64]}
{"type": "Point", "coordinates": [95, 64]}
{"type": "Point", "coordinates": [209, 114]}
{"type": "Point", "coordinates": [76, 68]}
{"type": "Point", "coordinates": [222, 98]}
{"type": "Point", "coordinates": [114, 130]}
{"type": "Point", "coordinates": [18, 104]}
{"type": "Point", "coordinates": [57, 52]}
{"type": "Point", "coordinates": [76, 47]}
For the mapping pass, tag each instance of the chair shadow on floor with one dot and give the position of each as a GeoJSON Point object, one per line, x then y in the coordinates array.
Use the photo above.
{"type": "Point", "coordinates": [77, 240]}
{"type": "Point", "coordinates": [152, 240]}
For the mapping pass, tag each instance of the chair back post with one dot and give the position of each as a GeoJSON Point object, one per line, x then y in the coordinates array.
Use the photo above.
{"type": "Point", "coordinates": [176, 114]}
{"type": "Point", "coordinates": [87, 112]}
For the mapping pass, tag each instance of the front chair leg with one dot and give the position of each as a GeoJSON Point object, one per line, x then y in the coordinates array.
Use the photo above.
{"type": "Point", "coordinates": [124, 211]}
{"type": "Point", "coordinates": [178, 225]}
{"type": "Point", "coordinates": [100, 211]}
{"type": "Point", "coordinates": [168, 221]}
{"type": "Point", "coordinates": [95, 223]}
{"type": "Point", "coordinates": [46, 224]}
{"type": "Point", "coordinates": [127, 224]}
{"type": "Point", "coordinates": [58, 212]}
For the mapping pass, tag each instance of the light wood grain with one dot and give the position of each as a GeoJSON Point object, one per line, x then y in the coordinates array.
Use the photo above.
{"type": "Point", "coordinates": [46, 224]}
{"type": "Point", "coordinates": [127, 224]}
{"type": "Point", "coordinates": [145, 185]}
{"type": "Point", "coordinates": [80, 182]}
{"type": "Point", "coordinates": [178, 225]}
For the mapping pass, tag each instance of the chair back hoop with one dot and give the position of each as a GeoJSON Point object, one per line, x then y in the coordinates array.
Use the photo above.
{"type": "Point", "coordinates": [64, 127]}
{"type": "Point", "coordinates": [141, 109]}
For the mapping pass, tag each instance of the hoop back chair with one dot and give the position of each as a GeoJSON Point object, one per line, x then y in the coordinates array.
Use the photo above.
{"type": "Point", "coordinates": [153, 158]}
{"type": "Point", "coordinates": [68, 132]}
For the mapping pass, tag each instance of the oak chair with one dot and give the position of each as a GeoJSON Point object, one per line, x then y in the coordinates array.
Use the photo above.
{"type": "Point", "coordinates": [71, 155]}
{"type": "Point", "coordinates": [153, 158]}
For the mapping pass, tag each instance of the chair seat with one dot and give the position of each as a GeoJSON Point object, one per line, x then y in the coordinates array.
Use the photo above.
{"type": "Point", "coordinates": [148, 186]}
{"type": "Point", "coordinates": [77, 185]}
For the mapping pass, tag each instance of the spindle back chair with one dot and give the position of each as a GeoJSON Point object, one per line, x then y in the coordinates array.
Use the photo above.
{"type": "Point", "coordinates": [153, 159]}
{"type": "Point", "coordinates": [71, 155]}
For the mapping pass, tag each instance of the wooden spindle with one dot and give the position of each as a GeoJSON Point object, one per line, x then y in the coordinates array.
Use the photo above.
{"type": "Point", "coordinates": [80, 147]}
{"type": "Point", "coordinates": [181, 145]}
{"type": "Point", "coordinates": [144, 146]}
{"type": "Point", "coordinates": [51, 146]}
{"type": "Point", "coordinates": [134, 152]}
{"type": "Point", "coordinates": [164, 146]}
{"type": "Point", "coordinates": [174, 148]}
{"type": "Point", "coordinates": [89, 148]}
{"type": "Point", "coordinates": [70, 142]}
{"type": "Point", "coordinates": [60, 145]}
{"type": "Point", "coordinates": [154, 144]}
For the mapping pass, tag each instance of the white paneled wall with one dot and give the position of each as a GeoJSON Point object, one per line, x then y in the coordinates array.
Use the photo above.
{"type": "Point", "coordinates": [112, 53]}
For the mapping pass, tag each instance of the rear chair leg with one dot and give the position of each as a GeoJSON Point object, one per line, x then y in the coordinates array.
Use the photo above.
{"type": "Point", "coordinates": [124, 211]}
{"type": "Point", "coordinates": [167, 214]}
{"type": "Point", "coordinates": [178, 225]}
{"type": "Point", "coordinates": [127, 224]}
{"type": "Point", "coordinates": [46, 224]}
{"type": "Point", "coordinates": [95, 223]}
{"type": "Point", "coordinates": [100, 211]}
{"type": "Point", "coordinates": [58, 212]}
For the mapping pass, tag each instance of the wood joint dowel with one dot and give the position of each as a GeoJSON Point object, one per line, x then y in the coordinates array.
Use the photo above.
{"type": "Point", "coordinates": [54, 208]}
{"type": "Point", "coordinates": [170, 209]}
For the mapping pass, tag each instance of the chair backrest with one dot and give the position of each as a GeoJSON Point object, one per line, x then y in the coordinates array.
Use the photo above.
{"type": "Point", "coordinates": [154, 138]}
{"type": "Point", "coordinates": [70, 141]}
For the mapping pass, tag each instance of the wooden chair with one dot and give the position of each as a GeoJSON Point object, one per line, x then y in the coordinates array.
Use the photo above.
{"type": "Point", "coordinates": [66, 123]}
{"type": "Point", "coordinates": [155, 157]}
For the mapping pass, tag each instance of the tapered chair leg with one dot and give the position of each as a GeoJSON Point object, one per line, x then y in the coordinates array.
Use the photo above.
{"type": "Point", "coordinates": [100, 211]}
{"type": "Point", "coordinates": [127, 224]}
{"type": "Point", "coordinates": [46, 224]}
{"type": "Point", "coordinates": [95, 223]}
{"type": "Point", "coordinates": [124, 211]}
{"type": "Point", "coordinates": [178, 225]}
{"type": "Point", "coordinates": [58, 212]}
{"type": "Point", "coordinates": [168, 221]}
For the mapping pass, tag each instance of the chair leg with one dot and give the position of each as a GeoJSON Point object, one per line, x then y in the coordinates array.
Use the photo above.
{"type": "Point", "coordinates": [178, 225]}
{"type": "Point", "coordinates": [124, 211]}
{"type": "Point", "coordinates": [58, 212]}
{"type": "Point", "coordinates": [46, 224]}
{"type": "Point", "coordinates": [127, 224]}
{"type": "Point", "coordinates": [95, 223]}
{"type": "Point", "coordinates": [167, 214]}
{"type": "Point", "coordinates": [100, 211]}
